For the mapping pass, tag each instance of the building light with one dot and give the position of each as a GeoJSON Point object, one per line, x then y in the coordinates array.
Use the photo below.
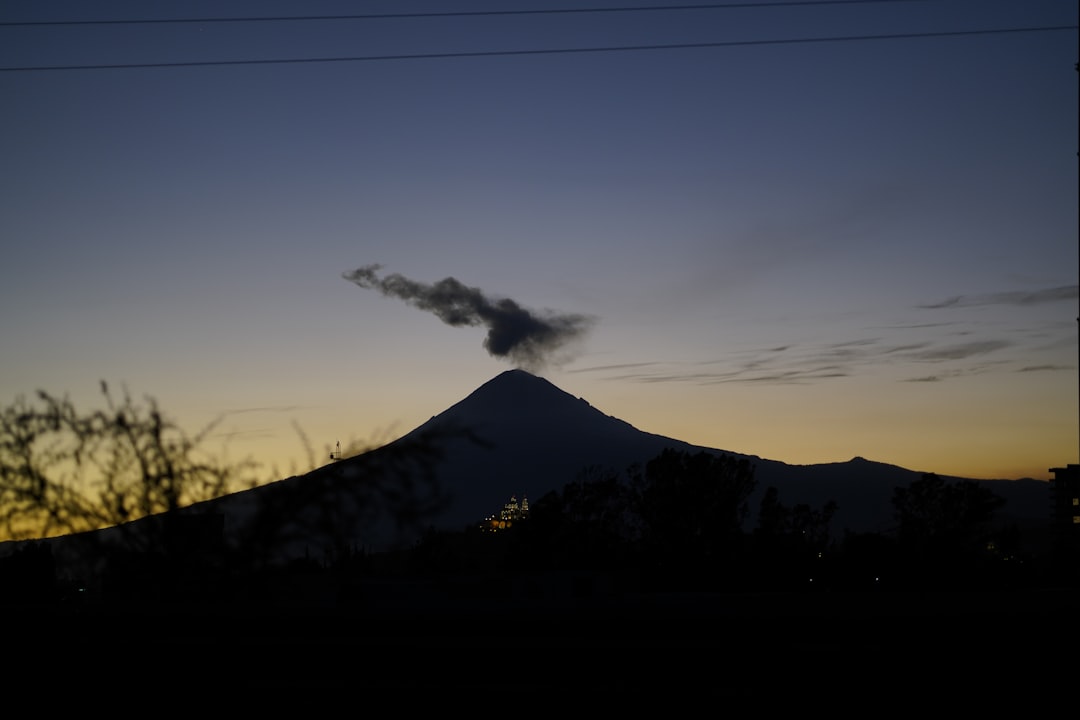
{"type": "Point", "coordinates": [511, 511]}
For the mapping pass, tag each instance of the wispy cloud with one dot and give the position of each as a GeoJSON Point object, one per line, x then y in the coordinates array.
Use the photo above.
{"type": "Point", "coordinates": [1035, 297]}
{"type": "Point", "coordinates": [905, 349]}
{"type": "Point", "coordinates": [265, 409]}
{"type": "Point", "coordinates": [960, 348]}
{"type": "Point", "coordinates": [802, 364]}
{"type": "Point", "coordinates": [608, 368]}
{"type": "Point", "coordinates": [1046, 368]}
{"type": "Point", "coordinates": [959, 352]}
{"type": "Point", "coordinates": [248, 434]}
{"type": "Point", "coordinates": [916, 326]}
{"type": "Point", "coordinates": [951, 373]}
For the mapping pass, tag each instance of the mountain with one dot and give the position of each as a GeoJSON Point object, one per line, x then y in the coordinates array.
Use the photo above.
{"type": "Point", "coordinates": [519, 436]}
{"type": "Point", "coordinates": [528, 437]}
{"type": "Point", "coordinates": [535, 438]}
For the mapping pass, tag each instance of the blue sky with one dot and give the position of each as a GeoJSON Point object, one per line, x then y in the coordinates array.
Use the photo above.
{"type": "Point", "coordinates": [806, 233]}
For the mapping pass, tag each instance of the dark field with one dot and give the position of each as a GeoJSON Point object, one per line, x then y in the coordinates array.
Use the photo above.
{"type": "Point", "coordinates": [900, 645]}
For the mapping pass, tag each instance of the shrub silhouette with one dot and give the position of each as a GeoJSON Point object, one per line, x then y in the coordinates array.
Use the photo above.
{"type": "Point", "coordinates": [63, 471]}
{"type": "Point", "coordinates": [126, 497]}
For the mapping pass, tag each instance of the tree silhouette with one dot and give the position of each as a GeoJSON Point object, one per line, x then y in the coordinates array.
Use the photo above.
{"type": "Point", "coordinates": [585, 526]}
{"type": "Point", "coordinates": [934, 515]}
{"type": "Point", "coordinates": [691, 508]}
{"type": "Point", "coordinates": [943, 527]}
{"type": "Point", "coordinates": [63, 471]}
{"type": "Point", "coordinates": [788, 542]}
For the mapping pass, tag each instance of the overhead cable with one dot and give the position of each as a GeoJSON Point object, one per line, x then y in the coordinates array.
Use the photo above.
{"type": "Point", "coordinates": [447, 14]}
{"type": "Point", "coordinates": [505, 53]}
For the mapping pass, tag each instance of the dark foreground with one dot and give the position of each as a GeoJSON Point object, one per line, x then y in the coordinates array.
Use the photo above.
{"type": "Point", "coordinates": [893, 646]}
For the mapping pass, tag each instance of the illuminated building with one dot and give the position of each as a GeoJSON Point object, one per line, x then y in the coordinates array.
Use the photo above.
{"type": "Point", "coordinates": [511, 511]}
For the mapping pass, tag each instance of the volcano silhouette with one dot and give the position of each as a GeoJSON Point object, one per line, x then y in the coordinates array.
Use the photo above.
{"type": "Point", "coordinates": [526, 437]}
{"type": "Point", "coordinates": [519, 436]}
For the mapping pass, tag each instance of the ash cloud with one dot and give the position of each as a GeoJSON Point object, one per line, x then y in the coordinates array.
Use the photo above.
{"type": "Point", "coordinates": [527, 338]}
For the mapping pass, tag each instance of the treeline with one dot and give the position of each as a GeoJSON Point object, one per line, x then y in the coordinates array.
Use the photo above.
{"type": "Point", "coordinates": [680, 522]}
{"type": "Point", "coordinates": [684, 522]}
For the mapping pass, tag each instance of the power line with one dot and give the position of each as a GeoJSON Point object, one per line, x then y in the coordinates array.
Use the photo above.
{"type": "Point", "coordinates": [496, 53]}
{"type": "Point", "coordinates": [477, 13]}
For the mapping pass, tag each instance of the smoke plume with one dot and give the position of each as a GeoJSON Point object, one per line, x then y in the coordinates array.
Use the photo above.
{"type": "Point", "coordinates": [524, 337]}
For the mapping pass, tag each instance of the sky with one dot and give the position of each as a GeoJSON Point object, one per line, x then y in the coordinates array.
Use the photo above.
{"type": "Point", "coordinates": [806, 233]}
